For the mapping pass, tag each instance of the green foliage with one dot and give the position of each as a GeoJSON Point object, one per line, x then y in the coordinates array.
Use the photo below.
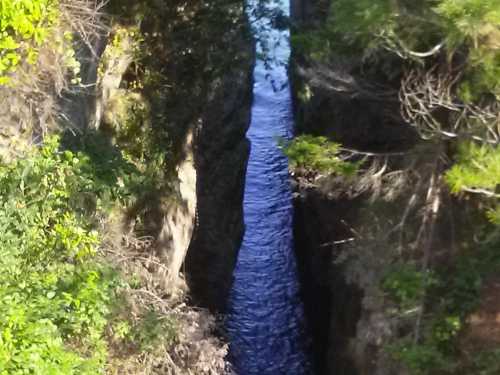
{"type": "Point", "coordinates": [152, 331]}
{"type": "Point", "coordinates": [424, 359]}
{"type": "Point", "coordinates": [477, 169]}
{"type": "Point", "coordinates": [118, 177]}
{"type": "Point", "coordinates": [461, 289]}
{"type": "Point", "coordinates": [475, 23]}
{"type": "Point", "coordinates": [446, 328]}
{"type": "Point", "coordinates": [362, 23]}
{"type": "Point", "coordinates": [407, 285]}
{"type": "Point", "coordinates": [55, 296]}
{"type": "Point", "coordinates": [132, 130]}
{"type": "Point", "coordinates": [318, 154]}
{"type": "Point", "coordinates": [482, 74]}
{"type": "Point", "coordinates": [147, 334]}
{"type": "Point", "coordinates": [450, 296]}
{"type": "Point", "coordinates": [351, 28]}
{"type": "Point", "coordinates": [494, 215]}
{"type": "Point", "coordinates": [61, 304]}
{"type": "Point", "coordinates": [486, 362]}
{"type": "Point", "coordinates": [357, 22]}
{"type": "Point", "coordinates": [477, 166]}
{"type": "Point", "coordinates": [419, 359]}
{"type": "Point", "coordinates": [24, 27]}
{"type": "Point", "coordinates": [370, 28]}
{"type": "Point", "coordinates": [364, 27]}
{"type": "Point", "coordinates": [468, 19]}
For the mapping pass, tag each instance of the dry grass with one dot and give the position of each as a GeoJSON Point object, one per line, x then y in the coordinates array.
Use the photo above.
{"type": "Point", "coordinates": [192, 349]}
{"type": "Point", "coordinates": [30, 107]}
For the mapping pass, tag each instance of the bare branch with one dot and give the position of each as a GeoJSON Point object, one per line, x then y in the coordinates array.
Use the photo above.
{"type": "Point", "coordinates": [429, 53]}
{"type": "Point", "coordinates": [487, 193]}
{"type": "Point", "coordinates": [336, 79]}
{"type": "Point", "coordinates": [429, 102]}
{"type": "Point", "coordinates": [397, 46]}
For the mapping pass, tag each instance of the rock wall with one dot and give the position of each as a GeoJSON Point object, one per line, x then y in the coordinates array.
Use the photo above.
{"type": "Point", "coordinates": [346, 324]}
{"type": "Point", "coordinates": [333, 306]}
{"type": "Point", "coordinates": [203, 111]}
{"type": "Point", "coordinates": [178, 219]}
{"type": "Point", "coordinates": [352, 233]}
{"type": "Point", "coordinates": [198, 221]}
{"type": "Point", "coordinates": [221, 155]}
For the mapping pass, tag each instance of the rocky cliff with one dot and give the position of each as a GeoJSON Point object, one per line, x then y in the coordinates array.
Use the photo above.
{"type": "Point", "coordinates": [347, 321]}
{"type": "Point", "coordinates": [386, 264]}
{"type": "Point", "coordinates": [199, 110]}
{"type": "Point", "coordinates": [221, 154]}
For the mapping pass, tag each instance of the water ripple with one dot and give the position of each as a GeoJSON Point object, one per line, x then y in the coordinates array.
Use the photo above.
{"type": "Point", "coordinates": [265, 316]}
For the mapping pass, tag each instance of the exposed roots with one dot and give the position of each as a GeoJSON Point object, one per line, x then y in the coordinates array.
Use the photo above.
{"type": "Point", "coordinates": [429, 102]}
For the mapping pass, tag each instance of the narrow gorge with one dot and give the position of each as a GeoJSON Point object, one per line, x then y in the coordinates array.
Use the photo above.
{"type": "Point", "coordinates": [265, 319]}
{"type": "Point", "coordinates": [249, 187]}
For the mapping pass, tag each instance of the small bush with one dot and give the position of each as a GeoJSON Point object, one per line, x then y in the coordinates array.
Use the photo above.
{"type": "Point", "coordinates": [407, 285]}
{"type": "Point", "coordinates": [24, 27]}
{"type": "Point", "coordinates": [419, 359]}
{"type": "Point", "coordinates": [318, 154]}
{"type": "Point", "coordinates": [477, 170]}
{"type": "Point", "coordinates": [55, 296]}
{"type": "Point", "coordinates": [476, 167]}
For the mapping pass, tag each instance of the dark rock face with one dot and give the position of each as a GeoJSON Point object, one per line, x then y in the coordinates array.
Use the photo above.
{"type": "Point", "coordinates": [84, 109]}
{"type": "Point", "coordinates": [360, 123]}
{"type": "Point", "coordinates": [307, 12]}
{"type": "Point", "coordinates": [207, 64]}
{"type": "Point", "coordinates": [221, 154]}
{"type": "Point", "coordinates": [329, 100]}
{"type": "Point", "coordinates": [333, 306]}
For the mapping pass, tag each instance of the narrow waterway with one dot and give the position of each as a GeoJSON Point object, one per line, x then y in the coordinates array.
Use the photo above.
{"type": "Point", "coordinates": [265, 317]}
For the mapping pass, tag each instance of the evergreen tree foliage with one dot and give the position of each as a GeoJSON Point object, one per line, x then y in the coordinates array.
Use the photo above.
{"type": "Point", "coordinates": [440, 61]}
{"type": "Point", "coordinates": [477, 170]}
{"type": "Point", "coordinates": [412, 30]}
{"type": "Point", "coordinates": [477, 167]}
{"type": "Point", "coordinates": [312, 153]}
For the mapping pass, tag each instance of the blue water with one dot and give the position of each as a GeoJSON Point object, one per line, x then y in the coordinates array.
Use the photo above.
{"type": "Point", "coordinates": [265, 317]}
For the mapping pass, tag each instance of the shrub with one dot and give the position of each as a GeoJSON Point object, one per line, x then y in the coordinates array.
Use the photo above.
{"type": "Point", "coordinates": [317, 154]}
{"type": "Point", "coordinates": [24, 27]}
{"type": "Point", "coordinates": [55, 296]}
{"type": "Point", "coordinates": [477, 170]}
{"type": "Point", "coordinates": [407, 285]}
{"type": "Point", "coordinates": [477, 167]}
{"type": "Point", "coordinates": [419, 359]}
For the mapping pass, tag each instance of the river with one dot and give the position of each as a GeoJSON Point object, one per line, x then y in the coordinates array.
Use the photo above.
{"type": "Point", "coordinates": [265, 320]}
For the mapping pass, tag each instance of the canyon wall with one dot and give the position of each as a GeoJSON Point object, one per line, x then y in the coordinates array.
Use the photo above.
{"type": "Point", "coordinates": [221, 155]}
{"type": "Point", "coordinates": [347, 322]}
